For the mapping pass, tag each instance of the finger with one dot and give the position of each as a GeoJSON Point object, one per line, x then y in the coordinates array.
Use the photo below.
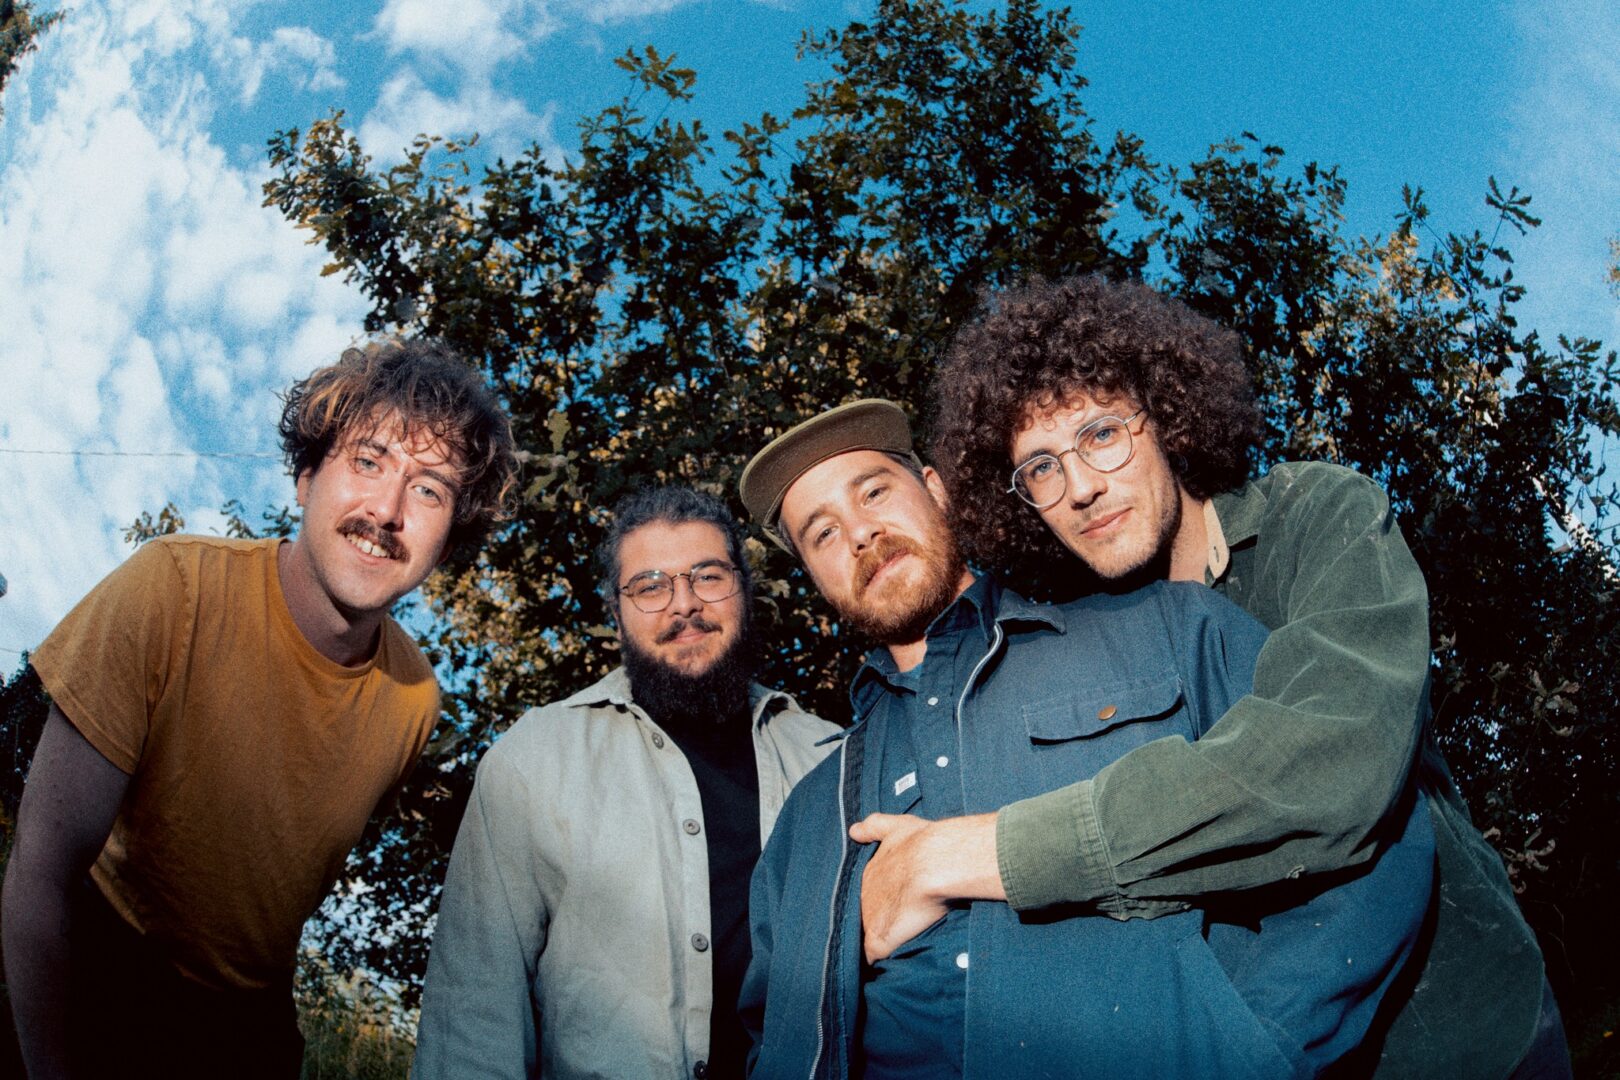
{"type": "Point", "coordinates": [873, 828]}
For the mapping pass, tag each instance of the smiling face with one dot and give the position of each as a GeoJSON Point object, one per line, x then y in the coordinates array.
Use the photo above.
{"type": "Point", "coordinates": [690, 635]}
{"type": "Point", "coordinates": [1119, 523]}
{"type": "Point", "coordinates": [874, 538]}
{"type": "Point", "coordinates": [377, 516]}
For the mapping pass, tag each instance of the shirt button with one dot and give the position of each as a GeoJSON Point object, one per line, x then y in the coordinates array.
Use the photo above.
{"type": "Point", "coordinates": [701, 1070]}
{"type": "Point", "coordinates": [962, 960]}
{"type": "Point", "coordinates": [1107, 712]}
{"type": "Point", "coordinates": [658, 740]}
{"type": "Point", "coordinates": [691, 826]}
{"type": "Point", "coordinates": [942, 761]}
{"type": "Point", "coordinates": [700, 943]}
{"type": "Point", "coordinates": [933, 701]}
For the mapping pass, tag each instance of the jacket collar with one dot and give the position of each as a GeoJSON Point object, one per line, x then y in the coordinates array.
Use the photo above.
{"type": "Point", "coordinates": [1240, 513]}
{"type": "Point", "coordinates": [993, 604]}
{"type": "Point", "coordinates": [614, 689]}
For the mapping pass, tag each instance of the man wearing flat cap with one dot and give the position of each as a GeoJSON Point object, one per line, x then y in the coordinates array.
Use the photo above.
{"type": "Point", "coordinates": [974, 698]}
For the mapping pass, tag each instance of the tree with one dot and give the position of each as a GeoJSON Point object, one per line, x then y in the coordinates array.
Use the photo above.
{"type": "Point", "coordinates": [652, 311]}
{"type": "Point", "coordinates": [19, 32]}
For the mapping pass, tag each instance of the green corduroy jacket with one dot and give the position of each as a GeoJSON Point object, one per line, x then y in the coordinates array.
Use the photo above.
{"type": "Point", "coordinates": [1297, 777]}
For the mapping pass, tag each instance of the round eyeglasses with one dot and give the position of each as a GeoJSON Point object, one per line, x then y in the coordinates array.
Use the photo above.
{"type": "Point", "coordinates": [1104, 445]}
{"type": "Point", "coordinates": [652, 590]}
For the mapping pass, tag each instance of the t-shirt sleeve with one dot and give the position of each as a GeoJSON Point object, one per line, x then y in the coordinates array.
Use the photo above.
{"type": "Point", "coordinates": [107, 664]}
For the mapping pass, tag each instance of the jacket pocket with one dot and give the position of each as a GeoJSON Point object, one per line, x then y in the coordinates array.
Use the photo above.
{"type": "Point", "coordinates": [1090, 712]}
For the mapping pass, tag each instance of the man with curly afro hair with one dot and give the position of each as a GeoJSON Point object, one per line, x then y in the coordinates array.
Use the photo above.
{"type": "Point", "coordinates": [1093, 435]}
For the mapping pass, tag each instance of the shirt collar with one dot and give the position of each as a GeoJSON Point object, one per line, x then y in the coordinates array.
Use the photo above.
{"type": "Point", "coordinates": [1216, 550]}
{"type": "Point", "coordinates": [981, 605]}
{"type": "Point", "coordinates": [973, 607]}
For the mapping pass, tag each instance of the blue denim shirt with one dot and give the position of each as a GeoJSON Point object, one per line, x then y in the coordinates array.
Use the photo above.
{"type": "Point", "coordinates": [1275, 983]}
{"type": "Point", "coordinates": [912, 1002]}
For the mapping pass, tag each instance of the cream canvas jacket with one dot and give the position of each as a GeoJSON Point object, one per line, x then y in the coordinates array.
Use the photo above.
{"type": "Point", "coordinates": [573, 931]}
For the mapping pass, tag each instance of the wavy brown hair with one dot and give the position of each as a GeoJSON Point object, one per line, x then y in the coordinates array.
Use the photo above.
{"type": "Point", "coordinates": [433, 392]}
{"type": "Point", "coordinates": [1036, 346]}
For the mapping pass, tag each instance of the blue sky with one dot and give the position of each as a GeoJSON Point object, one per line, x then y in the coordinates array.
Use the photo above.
{"type": "Point", "coordinates": [149, 303]}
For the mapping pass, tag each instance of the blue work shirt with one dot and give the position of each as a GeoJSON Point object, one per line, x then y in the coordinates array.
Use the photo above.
{"type": "Point", "coordinates": [913, 1001]}
{"type": "Point", "coordinates": [1281, 983]}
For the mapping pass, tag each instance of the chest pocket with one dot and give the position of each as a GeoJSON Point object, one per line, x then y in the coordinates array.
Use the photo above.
{"type": "Point", "coordinates": [1075, 735]}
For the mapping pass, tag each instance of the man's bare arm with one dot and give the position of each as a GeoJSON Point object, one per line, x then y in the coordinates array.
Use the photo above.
{"type": "Point", "coordinates": [68, 807]}
{"type": "Point", "coordinates": [919, 868]}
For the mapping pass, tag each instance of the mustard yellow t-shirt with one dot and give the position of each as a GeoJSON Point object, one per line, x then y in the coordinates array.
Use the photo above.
{"type": "Point", "coordinates": [254, 760]}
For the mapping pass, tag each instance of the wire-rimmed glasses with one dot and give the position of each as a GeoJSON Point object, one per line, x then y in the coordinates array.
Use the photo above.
{"type": "Point", "coordinates": [1104, 445]}
{"type": "Point", "coordinates": [652, 590]}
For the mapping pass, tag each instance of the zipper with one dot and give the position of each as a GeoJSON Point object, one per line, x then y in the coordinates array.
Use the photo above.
{"type": "Point", "coordinates": [961, 771]}
{"type": "Point", "coordinates": [832, 911]}
{"type": "Point", "coordinates": [995, 644]}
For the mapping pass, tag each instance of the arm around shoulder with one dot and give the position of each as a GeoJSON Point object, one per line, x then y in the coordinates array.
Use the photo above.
{"type": "Point", "coordinates": [1295, 777]}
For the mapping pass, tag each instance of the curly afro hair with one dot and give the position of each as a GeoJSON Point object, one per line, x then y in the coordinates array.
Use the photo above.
{"type": "Point", "coordinates": [1039, 345]}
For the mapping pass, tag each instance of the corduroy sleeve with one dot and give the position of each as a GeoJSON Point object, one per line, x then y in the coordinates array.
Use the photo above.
{"type": "Point", "coordinates": [1295, 778]}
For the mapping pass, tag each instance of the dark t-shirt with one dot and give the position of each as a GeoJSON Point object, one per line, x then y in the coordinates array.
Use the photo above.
{"type": "Point", "coordinates": [721, 754]}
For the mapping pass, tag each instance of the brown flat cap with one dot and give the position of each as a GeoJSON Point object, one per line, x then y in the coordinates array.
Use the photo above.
{"type": "Point", "coordinates": [867, 424]}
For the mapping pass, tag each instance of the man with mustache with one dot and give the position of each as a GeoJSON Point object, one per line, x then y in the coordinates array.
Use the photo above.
{"type": "Point", "coordinates": [1093, 434]}
{"type": "Point", "coordinates": [226, 716]}
{"type": "Point", "coordinates": [977, 697]}
{"type": "Point", "coordinates": [594, 917]}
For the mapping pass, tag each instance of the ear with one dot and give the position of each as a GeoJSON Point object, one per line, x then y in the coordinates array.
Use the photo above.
{"type": "Point", "coordinates": [301, 486]}
{"type": "Point", "coordinates": [936, 488]}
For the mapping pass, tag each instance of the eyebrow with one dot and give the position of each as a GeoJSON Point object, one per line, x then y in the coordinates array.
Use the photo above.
{"type": "Point", "coordinates": [383, 450]}
{"type": "Point", "coordinates": [826, 506]}
{"type": "Point", "coordinates": [1045, 449]}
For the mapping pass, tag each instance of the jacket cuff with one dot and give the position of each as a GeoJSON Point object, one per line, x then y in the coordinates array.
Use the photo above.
{"type": "Point", "coordinates": [1050, 851]}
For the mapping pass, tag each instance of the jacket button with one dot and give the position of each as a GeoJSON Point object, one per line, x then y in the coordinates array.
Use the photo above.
{"type": "Point", "coordinates": [700, 943]}
{"type": "Point", "coordinates": [701, 1070]}
{"type": "Point", "coordinates": [1107, 712]}
{"type": "Point", "coordinates": [658, 741]}
{"type": "Point", "coordinates": [692, 827]}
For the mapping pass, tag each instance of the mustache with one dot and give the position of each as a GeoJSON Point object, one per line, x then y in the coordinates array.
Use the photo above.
{"type": "Point", "coordinates": [680, 626]}
{"type": "Point", "coordinates": [882, 550]}
{"type": "Point", "coordinates": [366, 530]}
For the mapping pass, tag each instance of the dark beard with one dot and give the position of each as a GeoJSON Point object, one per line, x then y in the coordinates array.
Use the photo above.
{"type": "Point", "coordinates": [671, 696]}
{"type": "Point", "coordinates": [900, 625]}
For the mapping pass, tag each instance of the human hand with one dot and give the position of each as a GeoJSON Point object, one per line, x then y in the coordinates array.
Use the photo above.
{"type": "Point", "coordinates": [921, 867]}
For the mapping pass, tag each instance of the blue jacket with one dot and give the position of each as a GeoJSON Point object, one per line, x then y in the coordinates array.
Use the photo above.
{"type": "Point", "coordinates": [1275, 983]}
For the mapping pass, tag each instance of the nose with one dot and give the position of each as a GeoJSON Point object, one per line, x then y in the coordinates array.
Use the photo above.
{"type": "Point", "coordinates": [863, 530]}
{"type": "Point", "coordinates": [1083, 482]}
{"type": "Point", "coordinates": [684, 601]}
{"type": "Point", "coordinates": [385, 501]}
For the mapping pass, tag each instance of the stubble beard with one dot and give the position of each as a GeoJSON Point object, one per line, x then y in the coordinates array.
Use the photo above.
{"type": "Point", "coordinates": [1152, 566]}
{"type": "Point", "coordinates": [719, 691]}
{"type": "Point", "coordinates": [904, 618]}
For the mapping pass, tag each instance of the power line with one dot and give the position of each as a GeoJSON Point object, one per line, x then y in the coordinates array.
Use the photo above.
{"type": "Point", "coordinates": [142, 453]}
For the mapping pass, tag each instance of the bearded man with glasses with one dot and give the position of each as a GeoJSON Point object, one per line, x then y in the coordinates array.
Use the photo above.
{"type": "Point", "coordinates": [594, 920]}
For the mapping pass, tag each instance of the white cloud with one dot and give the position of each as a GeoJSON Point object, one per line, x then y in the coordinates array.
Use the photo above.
{"type": "Point", "coordinates": [611, 11]}
{"type": "Point", "coordinates": [1565, 154]}
{"type": "Point", "coordinates": [407, 107]}
{"type": "Point", "coordinates": [308, 60]}
{"type": "Point", "coordinates": [474, 35]}
{"type": "Point", "coordinates": [152, 304]}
